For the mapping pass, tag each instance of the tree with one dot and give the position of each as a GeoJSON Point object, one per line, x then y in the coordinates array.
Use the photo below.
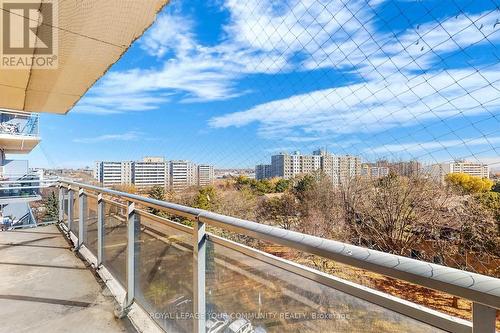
{"type": "Point", "coordinates": [260, 187]}
{"type": "Point", "coordinates": [52, 207]}
{"type": "Point", "coordinates": [282, 185]}
{"type": "Point", "coordinates": [304, 184]}
{"type": "Point", "coordinates": [241, 181]}
{"type": "Point", "coordinates": [491, 201]}
{"type": "Point", "coordinates": [393, 214]}
{"type": "Point", "coordinates": [157, 192]}
{"type": "Point", "coordinates": [320, 209]}
{"type": "Point", "coordinates": [496, 187]}
{"type": "Point", "coordinates": [126, 188]}
{"type": "Point", "coordinates": [468, 183]}
{"type": "Point", "coordinates": [206, 198]}
{"type": "Point", "coordinates": [282, 211]}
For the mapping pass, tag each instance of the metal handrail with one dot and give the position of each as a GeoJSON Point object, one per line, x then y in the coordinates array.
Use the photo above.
{"type": "Point", "coordinates": [31, 181]}
{"type": "Point", "coordinates": [474, 287]}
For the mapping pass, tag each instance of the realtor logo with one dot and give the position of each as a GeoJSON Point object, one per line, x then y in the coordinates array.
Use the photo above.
{"type": "Point", "coordinates": [29, 34]}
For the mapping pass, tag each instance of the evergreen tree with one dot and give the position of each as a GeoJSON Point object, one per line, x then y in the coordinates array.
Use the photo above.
{"type": "Point", "coordinates": [205, 199]}
{"type": "Point", "coordinates": [51, 207]}
{"type": "Point", "coordinates": [157, 192]}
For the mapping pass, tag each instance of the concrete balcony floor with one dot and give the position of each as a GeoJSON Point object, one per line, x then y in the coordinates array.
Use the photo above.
{"type": "Point", "coordinates": [45, 287]}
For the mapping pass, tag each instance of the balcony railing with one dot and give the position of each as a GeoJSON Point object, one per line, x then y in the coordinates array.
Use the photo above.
{"type": "Point", "coordinates": [18, 123]}
{"type": "Point", "coordinates": [25, 187]}
{"type": "Point", "coordinates": [188, 279]}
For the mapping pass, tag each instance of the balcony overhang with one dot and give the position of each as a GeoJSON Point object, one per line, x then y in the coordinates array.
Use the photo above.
{"type": "Point", "coordinates": [18, 144]}
{"type": "Point", "coordinates": [91, 36]}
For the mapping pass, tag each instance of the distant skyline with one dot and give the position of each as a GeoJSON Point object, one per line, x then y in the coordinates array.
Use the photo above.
{"type": "Point", "coordinates": [229, 82]}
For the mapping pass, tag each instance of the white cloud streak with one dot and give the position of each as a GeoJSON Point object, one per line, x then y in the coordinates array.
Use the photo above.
{"type": "Point", "coordinates": [128, 136]}
{"type": "Point", "coordinates": [373, 107]}
{"type": "Point", "coordinates": [426, 146]}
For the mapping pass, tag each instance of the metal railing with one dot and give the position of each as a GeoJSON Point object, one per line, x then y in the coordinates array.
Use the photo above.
{"type": "Point", "coordinates": [19, 123]}
{"type": "Point", "coordinates": [483, 291]}
{"type": "Point", "coordinates": [24, 187]}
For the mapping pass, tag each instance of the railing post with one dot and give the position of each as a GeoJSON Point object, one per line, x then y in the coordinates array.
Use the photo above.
{"type": "Point", "coordinates": [100, 229]}
{"type": "Point", "coordinates": [199, 269]}
{"type": "Point", "coordinates": [483, 318]}
{"type": "Point", "coordinates": [70, 208]}
{"type": "Point", "coordinates": [61, 204]}
{"type": "Point", "coordinates": [132, 238]}
{"type": "Point", "coordinates": [82, 229]}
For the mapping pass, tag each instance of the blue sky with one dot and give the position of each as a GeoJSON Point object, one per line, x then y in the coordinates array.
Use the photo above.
{"type": "Point", "coordinates": [230, 82]}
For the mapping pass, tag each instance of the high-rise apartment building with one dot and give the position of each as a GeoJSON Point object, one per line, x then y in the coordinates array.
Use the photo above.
{"type": "Point", "coordinates": [153, 171]}
{"type": "Point", "coordinates": [150, 171]}
{"type": "Point", "coordinates": [439, 171]}
{"type": "Point", "coordinates": [372, 170]}
{"type": "Point", "coordinates": [284, 165]}
{"type": "Point", "coordinates": [205, 174]}
{"type": "Point", "coordinates": [263, 171]}
{"type": "Point", "coordinates": [289, 165]}
{"type": "Point", "coordinates": [339, 168]}
{"type": "Point", "coordinates": [110, 173]}
{"type": "Point", "coordinates": [401, 168]}
{"type": "Point", "coordinates": [182, 174]}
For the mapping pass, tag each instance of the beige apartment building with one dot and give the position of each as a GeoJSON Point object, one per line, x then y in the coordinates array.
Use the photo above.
{"type": "Point", "coordinates": [373, 171]}
{"type": "Point", "coordinates": [151, 171]}
{"type": "Point", "coordinates": [206, 174]}
{"type": "Point", "coordinates": [110, 173]}
{"type": "Point", "coordinates": [439, 171]}
{"type": "Point", "coordinates": [284, 165]}
{"type": "Point", "coordinates": [339, 168]}
{"type": "Point", "coordinates": [182, 174]}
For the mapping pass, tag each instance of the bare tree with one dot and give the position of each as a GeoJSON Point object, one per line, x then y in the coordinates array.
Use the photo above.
{"type": "Point", "coordinates": [282, 211]}
{"type": "Point", "coordinates": [393, 214]}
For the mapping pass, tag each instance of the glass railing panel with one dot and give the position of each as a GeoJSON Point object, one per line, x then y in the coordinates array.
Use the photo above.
{"type": "Point", "coordinates": [91, 217]}
{"type": "Point", "coordinates": [115, 240]}
{"type": "Point", "coordinates": [65, 205]}
{"type": "Point", "coordinates": [164, 275]}
{"type": "Point", "coordinates": [244, 292]}
{"type": "Point", "coordinates": [24, 189]}
{"type": "Point", "coordinates": [75, 214]}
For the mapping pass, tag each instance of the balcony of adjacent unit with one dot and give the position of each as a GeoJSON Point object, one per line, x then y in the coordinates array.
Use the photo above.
{"type": "Point", "coordinates": [18, 131]}
{"type": "Point", "coordinates": [18, 192]}
{"type": "Point", "coordinates": [22, 188]}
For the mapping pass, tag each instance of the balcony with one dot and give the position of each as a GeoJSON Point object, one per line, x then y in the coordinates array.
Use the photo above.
{"type": "Point", "coordinates": [18, 131]}
{"type": "Point", "coordinates": [45, 288]}
{"type": "Point", "coordinates": [187, 279]}
{"type": "Point", "coordinates": [22, 189]}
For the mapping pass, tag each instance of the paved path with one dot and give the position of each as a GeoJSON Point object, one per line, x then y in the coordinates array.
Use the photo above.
{"type": "Point", "coordinates": [44, 287]}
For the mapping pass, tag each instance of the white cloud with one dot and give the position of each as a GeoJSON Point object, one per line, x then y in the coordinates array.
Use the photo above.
{"type": "Point", "coordinates": [389, 93]}
{"type": "Point", "coordinates": [435, 145]}
{"type": "Point", "coordinates": [374, 106]}
{"type": "Point", "coordinates": [111, 101]}
{"type": "Point", "coordinates": [128, 136]}
{"type": "Point", "coordinates": [169, 33]}
{"type": "Point", "coordinates": [196, 72]}
{"type": "Point", "coordinates": [265, 36]}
